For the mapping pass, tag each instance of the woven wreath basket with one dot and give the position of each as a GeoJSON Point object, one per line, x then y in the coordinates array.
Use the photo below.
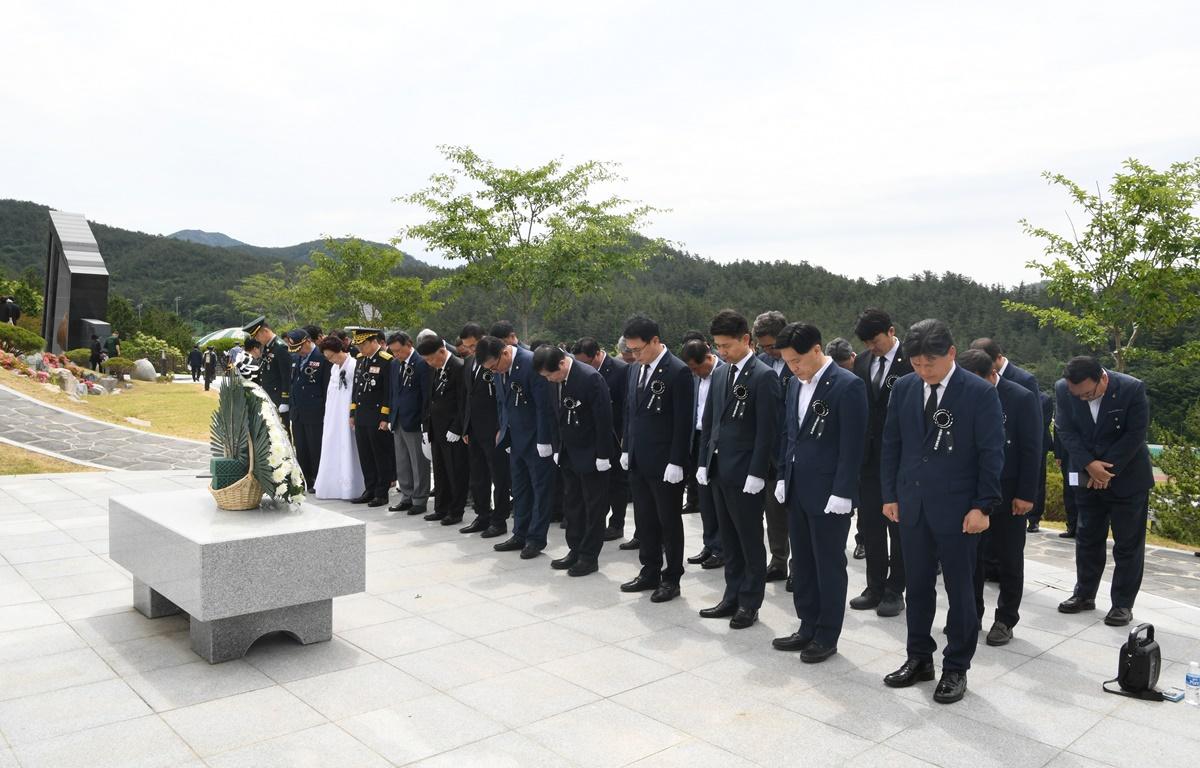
{"type": "Point", "coordinates": [245, 494]}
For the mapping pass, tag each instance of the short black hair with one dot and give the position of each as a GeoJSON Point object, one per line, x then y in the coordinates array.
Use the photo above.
{"type": "Point", "coordinates": [472, 330]}
{"type": "Point", "coordinates": [1083, 368]}
{"type": "Point", "coordinates": [251, 343]}
{"type": "Point", "coordinates": [694, 335]}
{"type": "Point", "coordinates": [977, 361]}
{"type": "Point", "coordinates": [641, 327]}
{"type": "Point", "coordinates": [313, 331]}
{"type": "Point", "coordinates": [429, 345]}
{"type": "Point", "coordinates": [990, 346]}
{"type": "Point", "coordinates": [547, 358]}
{"type": "Point", "coordinates": [800, 337]}
{"type": "Point", "coordinates": [401, 338]}
{"type": "Point", "coordinates": [539, 343]}
{"type": "Point", "coordinates": [729, 322]}
{"type": "Point", "coordinates": [695, 351]}
{"type": "Point", "coordinates": [871, 323]}
{"type": "Point", "coordinates": [502, 329]}
{"type": "Point", "coordinates": [587, 346]}
{"type": "Point", "coordinates": [769, 324]}
{"type": "Point", "coordinates": [839, 349]}
{"type": "Point", "coordinates": [488, 349]}
{"type": "Point", "coordinates": [929, 337]}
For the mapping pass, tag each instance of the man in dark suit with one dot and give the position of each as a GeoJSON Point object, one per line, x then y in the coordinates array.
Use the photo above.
{"type": "Point", "coordinates": [616, 376]}
{"type": "Point", "coordinates": [370, 413]}
{"type": "Point", "coordinates": [585, 450]}
{"type": "Point", "coordinates": [526, 431]}
{"type": "Point", "coordinates": [1101, 417]}
{"type": "Point", "coordinates": [408, 410]}
{"type": "Point", "coordinates": [766, 330]}
{"type": "Point", "coordinates": [1004, 538]}
{"type": "Point", "coordinates": [445, 398]}
{"type": "Point", "coordinates": [310, 382]}
{"type": "Point", "coordinates": [741, 427]}
{"type": "Point", "coordinates": [658, 426]}
{"type": "Point", "coordinates": [1062, 460]}
{"type": "Point", "coordinates": [490, 479]}
{"type": "Point", "coordinates": [943, 450]}
{"type": "Point", "coordinates": [880, 366]}
{"type": "Point", "coordinates": [820, 456]}
{"type": "Point", "coordinates": [698, 357]}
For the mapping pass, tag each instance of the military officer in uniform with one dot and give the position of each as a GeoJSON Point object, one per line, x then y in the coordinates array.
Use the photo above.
{"type": "Point", "coordinates": [310, 382]}
{"type": "Point", "coordinates": [275, 365]}
{"type": "Point", "coordinates": [370, 415]}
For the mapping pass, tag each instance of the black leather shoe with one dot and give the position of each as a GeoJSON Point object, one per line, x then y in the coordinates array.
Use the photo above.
{"type": "Point", "coordinates": [999, 634]}
{"type": "Point", "coordinates": [713, 562]}
{"type": "Point", "coordinates": [815, 653]}
{"type": "Point", "coordinates": [721, 610]}
{"type": "Point", "coordinates": [891, 605]}
{"type": "Point", "coordinates": [911, 671]}
{"type": "Point", "coordinates": [743, 619]}
{"type": "Point", "coordinates": [666, 591]}
{"type": "Point", "coordinates": [476, 526]}
{"type": "Point", "coordinates": [1075, 604]}
{"type": "Point", "coordinates": [860, 552]}
{"type": "Point", "coordinates": [413, 511]}
{"type": "Point", "coordinates": [583, 568]}
{"type": "Point", "coordinates": [494, 530]}
{"type": "Point", "coordinates": [640, 584]}
{"type": "Point", "coordinates": [867, 601]}
{"type": "Point", "coordinates": [631, 544]}
{"type": "Point", "coordinates": [511, 544]}
{"type": "Point", "coordinates": [451, 519]}
{"type": "Point", "coordinates": [1067, 534]}
{"type": "Point", "coordinates": [565, 562]}
{"type": "Point", "coordinates": [362, 499]}
{"type": "Point", "coordinates": [776, 574]}
{"type": "Point", "coordinates": [950, 688]}
{"type": "Point", "coordinates": [401, 506]}
{"type": "Point", "coordinates": [379, 501]}
{"type": "Point", "coordinates": [797, 641]}
{"type": "Point", "coordinates": [1034, 527]}
{"type": "Point", "coordinates": [530, 551]}
{"type": "Point", "coordinates": [700, 556]}
{"type": "Point", "coordinates": [434, 515]}
{"type": "Point", "coordinates": [1118, 617]}
{"type": "Point", "coordinates": [612, 534]}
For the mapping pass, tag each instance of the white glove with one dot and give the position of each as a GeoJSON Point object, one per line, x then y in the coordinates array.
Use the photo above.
{"type": "Point", "coordinates": [283, 408]}
{"type": "Point", "coordinates": [702, 475]}
{"type": "Point", "coordinates": [625, 461]}
{"type": "Point", "coordinates": [451, 437]}
{"type": "Point", "coordinates": [673, 474]}
{"type": "Point", "coordinates": [603, 465]}
{"type": "Point", "coordinates": [508, 451]}
{"type": "Point", "coordinates": [555, 457]}
{"type": "Point", "coordinates": [426, 448]}
{"type": "Point", "coordinates": [545, 450]}
{"type": "Point", "coordinates": [838, 506]}
{"type": "Point", "coordinates": [753, 485]}
{"type": "Point", "coordinates": [779, 493]}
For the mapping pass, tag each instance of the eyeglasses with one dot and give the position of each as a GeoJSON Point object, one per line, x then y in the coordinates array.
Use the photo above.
{"type": "Point", "coordinates": [635, 351]}
{"type": "Point", "coordinates": [342, 379]}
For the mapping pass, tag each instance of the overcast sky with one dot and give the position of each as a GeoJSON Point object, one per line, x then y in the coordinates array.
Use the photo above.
{"type": "Point", "coordinates": [870, 138]}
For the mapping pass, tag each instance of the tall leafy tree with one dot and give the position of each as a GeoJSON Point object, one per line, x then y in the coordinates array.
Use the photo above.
{"type": "Point", "coordinates": [1133, 268]}
{"type": "Point", "coordinates": [541, 237]}
{"type": "Point", "coordinates": [272, 293]}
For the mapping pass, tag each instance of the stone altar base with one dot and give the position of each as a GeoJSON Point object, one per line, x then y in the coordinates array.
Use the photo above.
{"type": "Point", "coordinates": [237, 575]}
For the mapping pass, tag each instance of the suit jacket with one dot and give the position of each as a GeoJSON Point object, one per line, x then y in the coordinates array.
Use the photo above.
{"type": "Point", "coordinates": [310, 382]}
{"type": "Point", "coordinates": [877, 402]}
{"type": "Point", "coordinates": [445, 393]}
{"type": "Point", "coordinates": [583, 419]}
{"type": "Point", "coordinates": [828, 456]}
{"type": "Point", "coordinates": [616, 375]}
{"type": "Point", "coordinates": [409, 393]}
{"type": "Point", "coordinates": [526, 417]}
{"type": "Point", "coordinates": [943, 485]}
{"type": "Point", "coordinates": [1117, 436]}
{"type": "Point", "coordinates": [785, 375]}
{"type": "Point", "coordinates": [747, 444]}
{"type": "Point", "coordinates": [372, 393]}
{"type": "Point", "coordinates": [1047, 419]}
{"type": "Point", "coordinates": [480, 415]}
{"type": "Point", "coordinates": [1019, 375]}
{"type": "Point", "coordinates": [658, 428]}
{"type": "Point", "coordinates": [1023, 454]}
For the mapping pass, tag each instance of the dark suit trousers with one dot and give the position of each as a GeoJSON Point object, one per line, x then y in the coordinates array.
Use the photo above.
{"type": "Point", "coordinates": [957, 552]}
{"type": "Point", "coordinates": [1005, 541]}
{"type": "Point", "coordinates": [658, 515]}
{"type": "Point", "coordinates": [880, 536]}
{"type": "Point", "coordinates": [777, 524]}
{"type": "Point", "coordinates": [819, 578]}
{"type": "Point", "coordinates": [1069, 502]}
{"type": "Point", "coordinates": [740, 517]}
{"type": "Point", "coordinates": [450, 465]}
{"type": "Point", "coordinates": [1127, 515]}
{"type": "Point", "coordinates": [711, 535]}
{"type": "Point", "coordinates": [585, 508]}
{"type": "Point", "coordinates": [491, 480]}
{"type": "Point", "coordinates": [1039, 504]}
{"type": "Point", "coordinates": [532, 487]}
{"type": "Point", "coordinates": [377, 457]}
{"type": "Point", "coordinates": [308, 448]}
{"type": "Point", "coordinates": [618, 492]}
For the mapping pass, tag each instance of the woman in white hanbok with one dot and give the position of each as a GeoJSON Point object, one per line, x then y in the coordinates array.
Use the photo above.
{"type": "Point", "coordinates": [339, 475]}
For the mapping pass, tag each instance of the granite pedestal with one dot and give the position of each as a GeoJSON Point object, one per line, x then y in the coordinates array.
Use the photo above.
{"type": "Point", "coordinates": [237, 575]}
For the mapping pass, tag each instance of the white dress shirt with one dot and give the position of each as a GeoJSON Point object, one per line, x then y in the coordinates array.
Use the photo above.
{"type": "Point", "coordinates": [889, 357]}
{"type": "Point", "coordinates": [941, 390]}
{"type": "Point", "coordinates": [649, 369]}
{"type": "Point", "coordinates": [835, 505]}
{"type": "Point", "coordinates": [702, 396]}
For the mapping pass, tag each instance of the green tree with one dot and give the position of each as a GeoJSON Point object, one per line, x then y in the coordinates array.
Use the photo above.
{"type": "Point", "coordinates": [536, 236]}
{"type": "Point", "coordinates": [355, 283]}
{"type": "Point", "coordinates": [1133, 267]}
{"type": "Point", "coordinates": [271, 293]}
{"type": "Point", "coordinates": [122, 315]}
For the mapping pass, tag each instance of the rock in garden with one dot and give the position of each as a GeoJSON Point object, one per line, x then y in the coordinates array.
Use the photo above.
{"type": "Point", "coordinates": [143, 370]}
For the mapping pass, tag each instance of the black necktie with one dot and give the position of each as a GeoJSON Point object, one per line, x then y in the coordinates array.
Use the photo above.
{"type": "Point", "coordinates": [877, 382]}
{"type": "Point", "coordinates": [643, 377]}
{"type": "Point", "coordinates": [732, 377]}
{"type": "Point", "coordinates": [931, 405]}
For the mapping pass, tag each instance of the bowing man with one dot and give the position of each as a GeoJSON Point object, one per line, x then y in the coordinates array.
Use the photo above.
{"type": "Point", "coordinates": [943, 450]}
{"type": "Point", "coordinates": [490, 476]}
{"type": "Point", "coordinates": [445, 396]}
{"type": "Point", "coordinates": [616, 376]}
{"type": "Point", "coordinates": [820, 456]}
{"type": "Point", "coordinates": [585, 446]}
{"type": "Point", "coordinates": [370, 409]}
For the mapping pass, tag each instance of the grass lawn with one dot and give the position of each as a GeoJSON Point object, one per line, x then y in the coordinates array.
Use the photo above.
{"type": "Point", "coordinates": [18, 461]}
{"type": "Point", "coordinates": [1151, 538]}
{"type": "Point", "coordinates": [179, 409]}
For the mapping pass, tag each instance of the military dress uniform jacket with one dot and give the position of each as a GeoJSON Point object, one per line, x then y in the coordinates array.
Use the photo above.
{"type": "Point", "coordinates": [372, 396]}
{"type": "Point", "coordinates": [275, 374]}
{"type": "Point", "coordinates": [310, 383]}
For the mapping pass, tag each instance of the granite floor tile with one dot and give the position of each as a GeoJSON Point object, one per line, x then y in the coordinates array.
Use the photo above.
{"type": "Point", "coordinates": [586, 735]}
{"type": "Point", "coordinates": [507, 750]}
{"type": "Point", "coordinates": [179, 686]}
{"type": "Point", "coordinates": [348, 692]}
{"type": "Point", "coordinates": [460, 663]}
{"type": "Point", "coordinates": [1121, 742]}
{"type": "Point", "coordinates": [237, 721]}
{"type": "Point", "coordinates": [523, 697]}
{"type": "Point", "coordinates": [69, 710]}
{"type": "Point", "coordinates": [113, 628]}
{"type": "Point", "coordinates": [401, 636]}
{"type": "Point", "coordinates": [144, 742]}
{"type": "Point", "coordinates": [692, 753]}
{"type": "Point", "coordinates": [539, 643]}
{"type": "Point", "coordinates": [420, 728]}
{"type": "Point", "coordinates": [25, 615]}
{"type": "Point", "coordinates": [145, 654]}
{"type": "Point", "coordinates": [283, 659]}
{"type": "Point", "coordinates": [50, 673]}
{"type": "Point", "coordinates": [46, 640]}
{"type": "Point", "coordinates": [323, 745]}
{"type": "Point", "coordinates": [608, 670]}
{"type": "Point", "coordinates": [954, 741]}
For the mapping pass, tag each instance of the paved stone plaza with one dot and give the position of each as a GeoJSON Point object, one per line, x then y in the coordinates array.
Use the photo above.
{"type": "Point", "coordinates": [460, 656]}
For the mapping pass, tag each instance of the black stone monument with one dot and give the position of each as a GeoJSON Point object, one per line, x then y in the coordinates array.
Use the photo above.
{"type": "Point", "coordinates": [76, 285]}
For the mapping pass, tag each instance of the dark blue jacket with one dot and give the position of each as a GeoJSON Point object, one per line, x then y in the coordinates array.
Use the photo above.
{"type": "Point", "coordinates": [658, 430]}
{"type": "Point", "coordinates": [523, 405]}
{"type": "Point", "coordinates": [583, 433]}
{"type": "Point", "coordinates": [1019, 375]}
{"type": "Point", "coordinates": [408, 393]}
{"type": "Point", "coordinates": [310, 383]}
{"type": "Point", "coordinates": [1022, 439]}
{"type": "Point", "coordinates": [616, 375]}
{"type": "Point", "coordinates": [1118, 436]}
{"type": "Point", "coordinates": [827, 456]}
{"type": "Point", "coordinates": [943, 485]}
{"type": "Point", "coordinates": [785, 375]}
{"type": "Point", "coordinates": [747, 444]}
